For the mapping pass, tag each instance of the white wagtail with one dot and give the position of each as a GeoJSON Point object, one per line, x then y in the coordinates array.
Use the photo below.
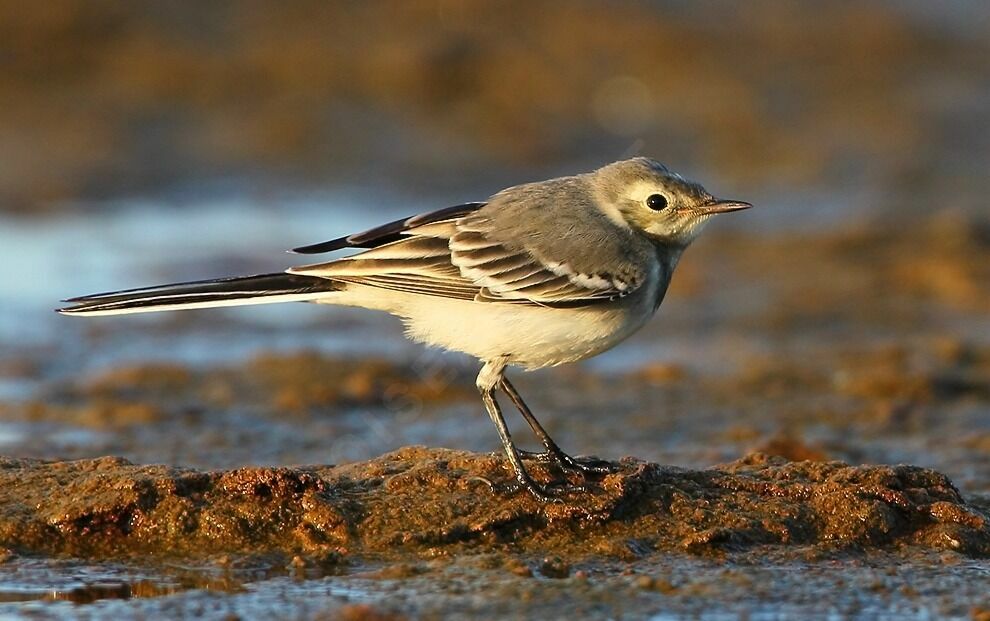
{"type": "Point", "coordinates": [538, 275]}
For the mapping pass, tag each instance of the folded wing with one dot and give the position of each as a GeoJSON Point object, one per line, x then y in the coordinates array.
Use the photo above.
{"type": "Point", "coordinates": [459, 258]}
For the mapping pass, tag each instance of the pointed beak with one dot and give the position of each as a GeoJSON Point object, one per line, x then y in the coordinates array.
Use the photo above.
{"type": "Point", "coordinates": [724, 206]}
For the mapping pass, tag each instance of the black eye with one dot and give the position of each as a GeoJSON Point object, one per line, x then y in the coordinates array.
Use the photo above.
{"type": "Point", "coordinates": [656, 202]}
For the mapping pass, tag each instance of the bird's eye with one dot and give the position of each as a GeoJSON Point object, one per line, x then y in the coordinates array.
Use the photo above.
{"type": "Point", "coordinates": [656, 202]}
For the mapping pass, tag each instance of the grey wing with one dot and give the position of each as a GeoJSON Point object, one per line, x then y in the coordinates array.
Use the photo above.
{"type": "Point", "coordinates": [460, 258]}
{"type": "Point", "coordinates": [512, 270]}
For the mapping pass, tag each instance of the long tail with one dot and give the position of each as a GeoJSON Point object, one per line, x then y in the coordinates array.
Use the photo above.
{"type": "Point", "coordinates": [262, 289]}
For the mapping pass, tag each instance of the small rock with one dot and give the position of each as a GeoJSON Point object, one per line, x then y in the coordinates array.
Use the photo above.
{"type": "Point", "coordinates": [554, 567]}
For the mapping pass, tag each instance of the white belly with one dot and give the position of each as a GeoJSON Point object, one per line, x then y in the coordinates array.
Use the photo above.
{"type": "Point", "coordinates": [529, 336]}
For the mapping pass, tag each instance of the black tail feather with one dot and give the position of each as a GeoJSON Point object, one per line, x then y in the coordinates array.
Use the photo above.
{"type": "Point", "coordinates": [203, 293]}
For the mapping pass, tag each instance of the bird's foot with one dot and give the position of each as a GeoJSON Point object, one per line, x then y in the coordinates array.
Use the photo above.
{"type": "Point", "coordinates": [551, 493]}
{"type": "Point", "coordinates": [589, 466]}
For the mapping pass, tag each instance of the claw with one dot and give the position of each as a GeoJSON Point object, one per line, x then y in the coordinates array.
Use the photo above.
{"type": "Point", "coordinates": [553, 493]}
{"type": "Point", "coordinates": [570, 464]}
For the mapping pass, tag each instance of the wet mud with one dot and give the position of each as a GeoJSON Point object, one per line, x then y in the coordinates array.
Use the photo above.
{"type": "Point", "coordinates": [425, 502]}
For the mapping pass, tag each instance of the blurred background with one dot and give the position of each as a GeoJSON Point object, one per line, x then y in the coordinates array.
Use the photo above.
{"type": "Point", "coordinates": [145, 142]}
{"type": "Point", "coordinates": [175, 101]}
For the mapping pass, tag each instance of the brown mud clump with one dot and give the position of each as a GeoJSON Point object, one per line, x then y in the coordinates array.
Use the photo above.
{"type": "Point", "coordinates": [424, 502]}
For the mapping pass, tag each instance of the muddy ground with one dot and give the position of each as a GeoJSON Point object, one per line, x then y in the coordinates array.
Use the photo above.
{"type": "Point", "coordinates": [809, 414]}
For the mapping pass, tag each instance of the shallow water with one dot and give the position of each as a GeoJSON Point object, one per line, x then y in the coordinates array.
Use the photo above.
{"type": "Point", "coordinates": [879, 586]}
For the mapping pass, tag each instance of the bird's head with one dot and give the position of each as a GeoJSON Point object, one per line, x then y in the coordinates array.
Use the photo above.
{"type": "Point", "coordinates": [644, 195]}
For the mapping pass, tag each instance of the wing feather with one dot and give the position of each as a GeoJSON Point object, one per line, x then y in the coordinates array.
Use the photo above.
{"type": "Point", "coordinates": [389, 232]}
{"type": "Point", "coordinates": [460, 257]}
{"type": "Point", "coordinates": [530, 278]}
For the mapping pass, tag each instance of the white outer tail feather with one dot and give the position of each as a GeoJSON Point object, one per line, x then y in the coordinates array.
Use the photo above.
{"type": "Point", "coordinates": [239, 291]}
{"type": "Point", "coordinates": [249, 301]}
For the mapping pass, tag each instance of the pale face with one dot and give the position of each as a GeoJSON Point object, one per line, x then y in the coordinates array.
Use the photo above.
{"type": "Point", "coordinates": [660, 203]}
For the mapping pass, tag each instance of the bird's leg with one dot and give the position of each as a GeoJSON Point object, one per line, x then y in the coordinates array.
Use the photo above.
{"type": "Point", "coordinates": [551, 452]}
{"type": "Point", "coordinates": [488, 379]}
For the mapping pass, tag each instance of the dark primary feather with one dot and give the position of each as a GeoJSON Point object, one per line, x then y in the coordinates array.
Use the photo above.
{"type": "Point", "coordinates": [214, 290]}
{"type": "Point", "coordinates": [389, 232]}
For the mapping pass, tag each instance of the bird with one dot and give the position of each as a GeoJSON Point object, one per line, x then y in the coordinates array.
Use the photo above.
{"type": "Point", "coordinates": [538, 275]}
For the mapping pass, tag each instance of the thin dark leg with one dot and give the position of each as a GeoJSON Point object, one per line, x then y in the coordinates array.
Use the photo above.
{"type": "Point", "coordinates": [553, 452]}
{"type": "Point", "coordinates": [490, 378]}
{"type": "Point", "coordinates": [510, 449]}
